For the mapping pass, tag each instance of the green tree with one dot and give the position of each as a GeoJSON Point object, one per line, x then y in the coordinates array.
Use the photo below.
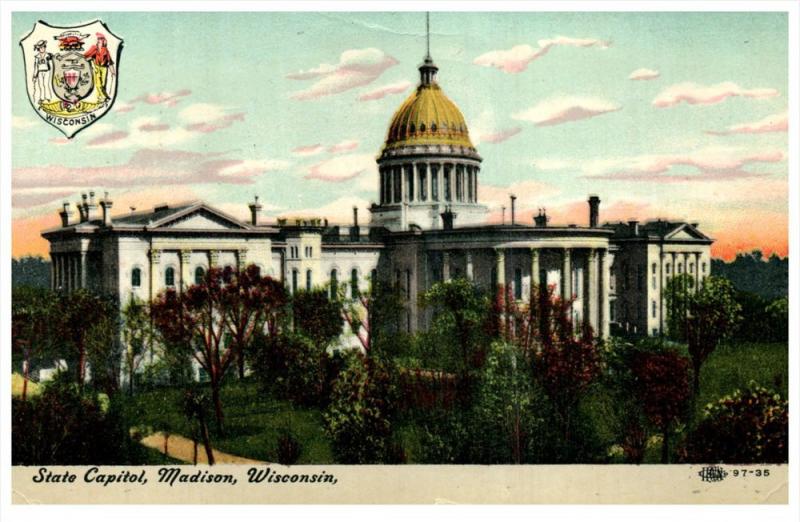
{"type": "Point", "coordinates": [459, 316]}
{"type": "Point", "coordinates": [713, 316]}
{"type": "Point", "coordinates": [137, 336]}
{"type": "Point", "coordinates": [89, 324]}
{"type": "Point", "coordinates": [317, 316]}
{"type": "Point", "coordinates": [678, 296]}
{"type": "Point", "coordinates": [33, 336]}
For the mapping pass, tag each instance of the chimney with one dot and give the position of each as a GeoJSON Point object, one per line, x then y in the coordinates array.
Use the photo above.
{"type": "Point", "coordinates": [255, 210]}
{"type": "Point", "coordinates": [355, 231]}
{"type": "Point", "coordinates": [448, 217]}
{"type": "Point", "coordinates": [91, 207]}
{"type": "Point", "coordinates": [83, 208]}
{"type": "Point", "coordinates": [634, 227]}
{"type": "Point", "coordinates": [106, 205]}
{"type": "Point", "coordinates": [594, 211]}
{"type": "Point", "coordinates": [513, 207]}
{"type": "Point", "coordinates": [66, 215]}
{"type": "Point", "coordinates": [541, 219]}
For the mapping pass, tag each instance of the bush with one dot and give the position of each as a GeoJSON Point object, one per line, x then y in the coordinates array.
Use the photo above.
{"type": "Point", "coordinates": [750, 426]}
{"type": "Point", "coordinates": [64, 426]}
{"type": "Point", "coordinates": [362, 408]}
{"type": "Point", "coordinates": [294, 367]}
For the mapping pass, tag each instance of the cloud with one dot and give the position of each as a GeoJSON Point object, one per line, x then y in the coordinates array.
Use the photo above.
{"type": "Point", "coordinates": [499, 136]}
{"type": "Point", "coordinates": [695, 94]}
{"type": "Point", "coordinates": [773, 123]}
{"type": "Point", "coordinates": [356, 67]}
{"type": "Point", "coordinates": [709, 163]}
{"type": "Point", "coordinates": [337, 211]}
{"type": "Point", "coordinates": [167, 98]}
{"type": "Point", "coordinates": [21, 122]}
{"type": "Point", "coordinates": [342, 168]}
{"type": "Point", "coordinates": [153, 127]}
{"type": "Point", "coordinates": [563, 109]}
{"type": "Point", "coordinates": [308, 150]}
{"type": "Point", "coordinates": [343, 146]}
{"type": "Point", "coordinates": [107, 138]}
{"type": "Point", "coordinates": [124, 107]}
{"type": "Point", "coordinates": [386, 90]}
{"type": "Point", "coordinates": [516, 59]}
{"type": "Point", "coordinates": [644, 74]}
{"type": "Point", "coordinates": [208, 117]}
{"type": "Point", "coordinates": [149, 167]}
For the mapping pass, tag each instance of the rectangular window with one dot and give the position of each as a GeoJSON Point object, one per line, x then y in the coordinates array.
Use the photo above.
{"type": "Point", "coordinates": [408, 284]}
{"type": "Point", "coordinates": [655, 282]}
{"type": "Point", "coordinates": [655, 309]}
{"type": "Point", "coordinates": [308, 280]}
{"type": "Point", "coordinates": [422, 170]}
{"type": "Point", "coordinates": [435, 182]}
{"type": "Point", "coordinates": [517, 284]}
{"type": "Point", "coordinates": [294, 281]}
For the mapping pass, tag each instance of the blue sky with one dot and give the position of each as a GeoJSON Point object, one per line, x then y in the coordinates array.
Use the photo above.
{"type": "Point", "coordinates": [222, 106]}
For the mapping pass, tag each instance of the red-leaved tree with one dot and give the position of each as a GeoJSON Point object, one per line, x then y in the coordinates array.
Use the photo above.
{"type": "Point", "coordinates": [662, 388]}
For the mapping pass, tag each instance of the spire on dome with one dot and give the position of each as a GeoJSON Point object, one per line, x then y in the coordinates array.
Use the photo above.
{"type": "Point", "coordinates": [427, 71]}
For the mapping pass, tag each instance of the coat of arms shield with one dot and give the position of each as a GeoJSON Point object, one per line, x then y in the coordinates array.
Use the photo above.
{"type": "Point", "coordinates": [71, 73]}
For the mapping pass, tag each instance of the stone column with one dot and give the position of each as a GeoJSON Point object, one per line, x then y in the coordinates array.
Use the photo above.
{"type": "Point", "coordinates": [213, 258]}
{"type": "Point", "coordinates": [185, 256]}
{"type": "Point", "coordinates": [605, 303]}
{"type": "Point", "coordinates": [470, 269]}
{"type": "Point", "coordinates": [535, 280]}
{"type": "Point", "coordinates": [445, 266]}
{"type": "Point", "coordinates": [697, 271]}
{"type": "Point", "coordinates": [84, 270]}
{"type": "Point", "coordinates": [501, 268]}
{"type": "Point", "coordinates": [566, 274]}
{"type": "Point", "coordinates": [594, 297]}
{"type": "Point", "coordinates": [155, 260]}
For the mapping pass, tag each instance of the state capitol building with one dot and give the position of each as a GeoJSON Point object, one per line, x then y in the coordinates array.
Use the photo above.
{"type": "Point", "coordinates": [427, 226]}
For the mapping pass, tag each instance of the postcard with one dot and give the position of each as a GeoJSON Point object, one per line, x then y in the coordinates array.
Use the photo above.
{"type": "Point", "coordinates": [503, 257]}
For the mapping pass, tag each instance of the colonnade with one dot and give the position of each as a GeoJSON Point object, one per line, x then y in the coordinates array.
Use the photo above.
{"type": "Point", "coordinates": [69, 271]}
{"type": "Point", "coordinates": [420, 182]}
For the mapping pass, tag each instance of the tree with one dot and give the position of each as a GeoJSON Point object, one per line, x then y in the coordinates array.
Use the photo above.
{"type": "Point", "coordinates": [137, 336]}
{"type": "Point", "coordinates": [564, 362]}
{"type": "Point", "coordinates": [32, 320]}
{"type": "Point", "coordinates": [374, 317]}
{"type": "Point", "coordinates": [249, 302]}
{"type": "Point", "coordinates": [195, 405]}
{"type": "Point", "coordinates": [713, 315]}
{"type": "Point", "coordinates": [193, 322]}
{"type": "Point", "coordinates": [678, 296]}
{"type": "Point", "coordinates": [662, 388]}
{"type": "Point", "coordinates": [316, 316]}
{"type": "Point", "coordinates": [89, 324]}
{"type": "Point", "coordinates": [459, 315]}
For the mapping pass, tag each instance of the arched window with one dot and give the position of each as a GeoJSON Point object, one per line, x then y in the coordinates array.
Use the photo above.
{"type": "Point", "coordinates": [433, 127]}
{"type": "Point", "coordinates": [136, 277]}
{"type": "Point", "coordinates": [422, 127]}
{"type": "Point", "coordinates": [199, 274]}
{"type": "Point", "coordinates": [308, 280]}
{"type": "Point", "coordinates": [334, 284]}
{"type": "Point", "coordinates": [412, 129]}
{"type": "Point", "coordinates": [354, 283]}
{"type": "Point", "coordinates": [169, 276]}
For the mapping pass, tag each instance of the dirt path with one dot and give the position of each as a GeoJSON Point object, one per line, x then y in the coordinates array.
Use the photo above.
{"type": "Point", "coordinates": [181, 448]}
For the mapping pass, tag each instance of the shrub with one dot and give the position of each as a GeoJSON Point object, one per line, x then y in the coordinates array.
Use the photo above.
{"type": "Point", "coordinates": [64, 426]}
{"type": "Point", "coordinates": [362, 408]}
{"type": "Point", "coordinates": [295, 368]}
{"type": "Point", "coordinates": [749, 426]}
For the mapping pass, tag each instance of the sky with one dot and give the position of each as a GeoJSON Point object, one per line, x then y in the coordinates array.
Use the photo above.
{"type": "Point", "coordinates": [663, 115]}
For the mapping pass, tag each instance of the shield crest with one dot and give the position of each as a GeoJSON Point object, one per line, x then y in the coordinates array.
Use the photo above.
{"type": "Point", "coordinates": [71, 73]}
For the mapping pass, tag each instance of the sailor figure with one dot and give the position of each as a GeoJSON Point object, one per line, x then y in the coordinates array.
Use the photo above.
{"type": "Point", "coordinates": [42, 73]}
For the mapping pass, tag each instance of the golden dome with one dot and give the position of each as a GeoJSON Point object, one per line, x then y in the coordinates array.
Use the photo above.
{"type": "Point", "coordinates": [428, 117]}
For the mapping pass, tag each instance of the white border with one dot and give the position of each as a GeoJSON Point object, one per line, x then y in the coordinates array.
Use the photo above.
{"type": "Point", "coordinates": [218, 513]}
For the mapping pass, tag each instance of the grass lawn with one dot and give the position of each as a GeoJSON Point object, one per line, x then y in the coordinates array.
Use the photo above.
{"type": "Point", "coordinates": [252, 422]}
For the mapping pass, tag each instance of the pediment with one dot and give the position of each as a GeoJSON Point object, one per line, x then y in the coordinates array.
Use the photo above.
{"type": "Point", "coordinates": [201, 218]}
{"type": "Point", "coordinates": [686, 232]}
